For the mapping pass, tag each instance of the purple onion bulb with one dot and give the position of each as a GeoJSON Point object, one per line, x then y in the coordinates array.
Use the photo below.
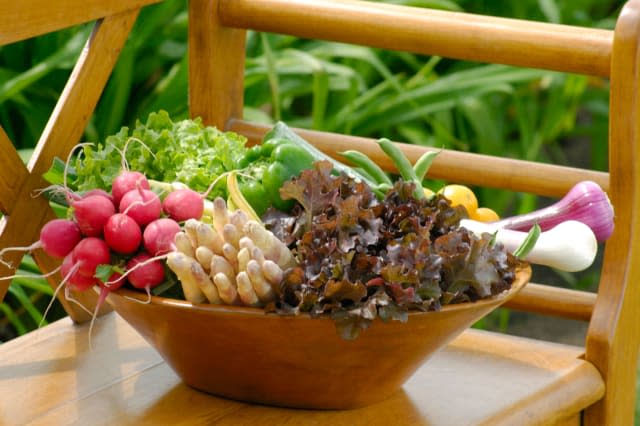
{"type": "Point", "coordinates": [586, 202]}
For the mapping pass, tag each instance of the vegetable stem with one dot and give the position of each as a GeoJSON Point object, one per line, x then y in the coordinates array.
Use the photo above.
{"type": "Point", "coordinates": [368, 165]}
{"type": "Point", "coordinates": [421, 167]}
{"type": "Point", "coordinates": [403, 165]}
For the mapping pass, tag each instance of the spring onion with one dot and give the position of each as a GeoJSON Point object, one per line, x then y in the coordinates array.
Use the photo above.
{"type": "Point", "coordinates": [586, 202]}
{"type": "Point", "coordinates": [569, 246]}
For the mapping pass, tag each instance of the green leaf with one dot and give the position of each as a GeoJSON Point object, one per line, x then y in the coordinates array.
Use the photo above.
{"type": "Point", "coordinates": [183, 151]}
{"type": "Point", "coordinates": [17, 323]}
{"type": "Point", "coordinates": [55, 174]}
{"type": "Point", "coordinates": [18, 292]}
{"type": "Point", "coordinates": [104, 272]}
{"type": "Point", "coordinates": [528, 243]}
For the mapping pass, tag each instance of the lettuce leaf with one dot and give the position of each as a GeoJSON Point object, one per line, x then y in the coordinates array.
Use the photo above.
{"type": "Point", "coordinates": [184, 151]}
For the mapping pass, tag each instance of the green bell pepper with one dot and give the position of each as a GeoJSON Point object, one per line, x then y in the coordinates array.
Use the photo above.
{"type": "Point", "coordinates": [283, 155]}
{"type": "Point", "coordinates": [267, 168]}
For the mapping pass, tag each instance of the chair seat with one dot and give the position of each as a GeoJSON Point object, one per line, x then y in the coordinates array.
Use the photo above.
{"type": "Point", "coordinates": [52, 376]}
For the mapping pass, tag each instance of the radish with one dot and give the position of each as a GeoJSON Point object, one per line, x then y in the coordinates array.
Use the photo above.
{"type": "Point", "coordinates": [145, 272]}
{"type": "Point", "coordinates": [183, 204]}
{"type": "Point", "coordinates": [92, 213]}
{"type": "Point", "coordinates": [89, 253]}
{"type": "Point", "coordinates": [98, 191]}
{"type": "Point", "coordinates": [122, 234]}
{"type": "Point", "coordinates": [57, 238]}
{"type": "Point", "coordinates": [142, 205]}
{"type": "Point", "coordinates": [125, 182]}
{"type": "Point", "coordinates": [70, 270]}
{"type": "Point", "coordinates": [159, 235]}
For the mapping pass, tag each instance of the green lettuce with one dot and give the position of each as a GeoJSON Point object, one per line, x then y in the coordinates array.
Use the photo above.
{"type": "Point", "coordinates": [183, 151]}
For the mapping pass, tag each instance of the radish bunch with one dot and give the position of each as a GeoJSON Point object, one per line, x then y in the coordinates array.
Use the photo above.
{"type": "Point", "coordinates": [128, 232]}
{"type": "Point", "coordinates": [113, 228]}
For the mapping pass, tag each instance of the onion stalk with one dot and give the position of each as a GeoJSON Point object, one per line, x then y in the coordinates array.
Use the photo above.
{"type": "Point", "coordinates": [586, 202]}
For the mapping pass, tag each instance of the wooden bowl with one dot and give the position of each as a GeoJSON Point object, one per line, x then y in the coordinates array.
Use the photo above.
{"type": "Point", "coordinates": [294, 361]}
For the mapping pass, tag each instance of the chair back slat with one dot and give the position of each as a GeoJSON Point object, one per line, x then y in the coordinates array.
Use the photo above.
{"type": "Point", "coordinates": [554, 301]}
{"type": "Point", "coordinates": [430, 32]}
{"type": "Point", "coordinates": [214, 50]}
{"type": "Point", "coordinates": [455, 166]}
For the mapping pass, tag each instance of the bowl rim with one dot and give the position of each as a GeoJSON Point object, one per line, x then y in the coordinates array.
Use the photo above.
{"type": "Point", "coordinates": [523, 275]}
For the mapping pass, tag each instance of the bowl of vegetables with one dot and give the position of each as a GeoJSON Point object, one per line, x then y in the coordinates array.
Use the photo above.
{"type": "Point", "coordinates": [278, 275]}
{"type": "Point", "coordinates": [292, 310]}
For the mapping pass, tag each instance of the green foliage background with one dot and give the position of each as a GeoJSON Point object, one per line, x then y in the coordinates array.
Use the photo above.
{"type": "Point", "coordinates": [492, 109]}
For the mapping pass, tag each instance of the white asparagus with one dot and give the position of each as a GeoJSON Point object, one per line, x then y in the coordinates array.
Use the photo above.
{"type": "Point", "coordinates": [220, 214]}
{"type": "Point", "coordinates": [183, 244]}
{"type": "Point", "coordinates": [238, 218]}
{"type": "Point", "coordinates": [246, 242]}
{"type": "Point", "coordinates": [208, 237]}
{"type": "Point", "coordinates": [257, 255]}
{"type": "Point", "coordinates": [243, 259]}
{"type": "Point", "coordinates": [204, 282]}
{"type": "Point", "coordinates": [204, 256]}
{"type": "Point", "coordinates": [272, 272]}
{"type": "Point", "coordinates": [231, 254]}
{"type": "Point", "coordinates": [226, 289]}
{"type": "Point", "coordinates": [260, 284]}
{"type": "Point", "coordinates": [180, 264]}
{"type": "Point", "coordinates": [231, 234]}
{"type": "Point", "coordinates": [190, 227]}
{"type": "Point", "coordinates": [569, 246]}
{"type": "Point", "coordinates": [246, 292]}
{"type": "Point", "coordinates": [220, 265]}
{"type": "Point", "coordinates": [271, 246]}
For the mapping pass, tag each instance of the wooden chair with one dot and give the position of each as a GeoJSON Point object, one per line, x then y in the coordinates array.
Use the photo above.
{"type": "Point", "coordinates": [51, 376]}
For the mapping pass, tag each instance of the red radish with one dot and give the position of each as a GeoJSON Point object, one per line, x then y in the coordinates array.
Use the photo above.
{"type": "Point", "coordinates": [89, 253]}
{"type": "Point", "coordinates": [57, 238]}
{"type": "Point", "coordinates": [92, 213]}
{"type": "Point", "coordinates": [183, 204]}
{"type": "Point", "coordinates": [125, 182]}
{"type": "Point", "coordinates": [142, 205]}
{"type": "Point", "coordinates": [70, 270]}
{"type": "Point", "coordinates": [144, 272]}
{"type": "Point", "coordinates": [98, 191]}
{"type": "Point", "coordinates": [116, 280]}
{"type": "Point", "coordinates": [122, 234]}
{"type": "Point", "coordinates": [159, 235]}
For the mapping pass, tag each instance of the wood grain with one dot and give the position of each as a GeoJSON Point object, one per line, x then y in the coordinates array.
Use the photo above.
{"type": "Point", "coordinates": [613, 335]}
{"type": "Point", "coordinates": [53, 377]}
{"type": "Point", "coordinates": [23, 19]}
{"type": "Point", "coordinates": [12, 174]}
{"type": "Point", "coordinates": [554, 301]}
{"type": "Point", "coordinates": [453, 166]}
{"type": "Point", "coordinates": [216, 65]}
{"type": "Point", "coordinates": [430, 32]}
